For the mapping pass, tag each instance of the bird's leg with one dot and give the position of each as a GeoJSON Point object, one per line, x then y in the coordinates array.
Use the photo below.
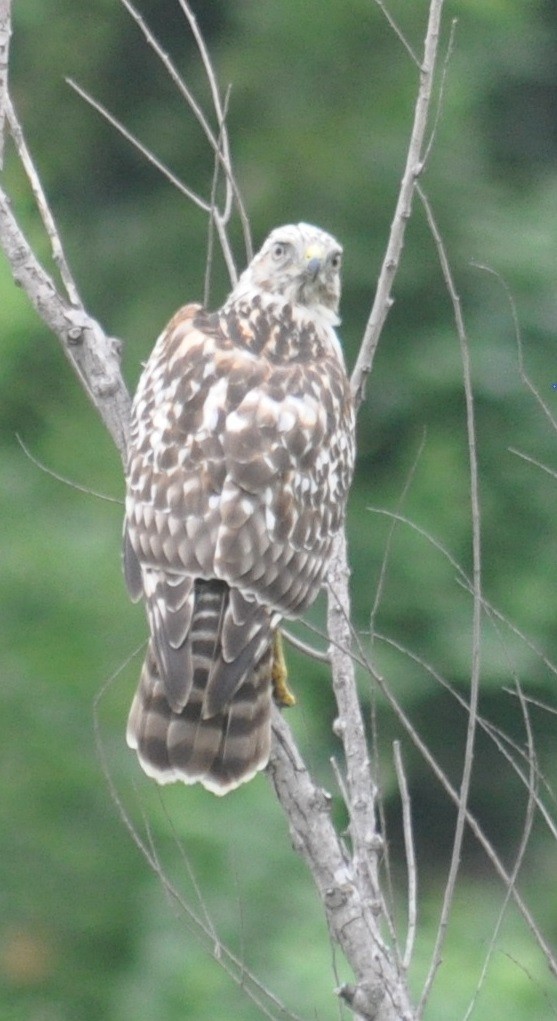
{"type": "Point", "coordinates": [281, 692]}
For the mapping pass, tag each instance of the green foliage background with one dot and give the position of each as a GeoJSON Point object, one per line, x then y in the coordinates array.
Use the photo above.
{"type": "Point", "coordinates": [320, 109]}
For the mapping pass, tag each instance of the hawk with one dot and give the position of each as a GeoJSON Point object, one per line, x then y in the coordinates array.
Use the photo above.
{"type": "Point", "coordinates": [240, 458]}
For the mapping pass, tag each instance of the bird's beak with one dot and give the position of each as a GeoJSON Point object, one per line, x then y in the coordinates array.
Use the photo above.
{"type": "Point", "coordinates": [314, 261]}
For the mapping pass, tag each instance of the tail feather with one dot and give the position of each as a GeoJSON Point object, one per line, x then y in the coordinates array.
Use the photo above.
{"type": "Point", "coordinates": [222, 740]}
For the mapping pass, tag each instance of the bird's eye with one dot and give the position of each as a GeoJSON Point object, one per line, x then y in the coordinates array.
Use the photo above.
{"type": "Point", "coordinates": [279, 250]}
{"type": "Point", "coordinates": [336, 259]}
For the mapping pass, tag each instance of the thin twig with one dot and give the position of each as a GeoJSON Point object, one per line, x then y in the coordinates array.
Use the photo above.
{"type": "Point", "coordinates": [373, 714]}
{"type": "Point", "coordinates": [63, 479]}
{"type": "Point", "coordinates": [174, 75]}
{"type": "Point", "coordinates": [537, 702]}
{"type": "Point", "coordinates": [183, 188]}
{"type": "Point", "coordinates": [383, 299]}
{"type": "Point", "coordinates": [213, 216]}
{"type": "Point", "coordinates": [523, 844]}
{"type": "Point", "coordinates": [441, 92]}
{"type": "Point", "coordinates": [222, 146]}
{"type": "Point", "coordinates": [226, 959]}
{"type": "Point", "coordinates": [501, 740]}
{"type": "Point", "coordinates": [94, 356]}
{"type": "Point", "coordinates": [518, 338]}
{"type": "Point", "coordinates": [455, 797]}
{"type": "Point", "coordinates": [398, 32]}
{"type": "Point", "coordinates": [227, 160]}
{"type": "Point", "coordinates": [410, 853]}
{"type": "Point", "coordinates": [532, 460]}
{"type": "Point", "coordinates": [462, 579]}
{"type": "Point", "coordinates": [42, 205]}
{"type": "Point", "coordinates": [210, 237]}
{"type": "Point", "coordinates": [322, 656]}
{"type": "Point", "coordinates": [5, 34]}
{"type": "Point", "coordinates": [192, 877]}
{"type": "Point", "coordinates": [390, 535]}
{"type": "Point", "coordinates": [477, 605]}
{"type": "Point", "coordinates": [219, 142]}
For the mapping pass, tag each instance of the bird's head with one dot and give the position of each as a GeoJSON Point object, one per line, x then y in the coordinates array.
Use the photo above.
{"type": "Point", "coordinates": [301, 264]}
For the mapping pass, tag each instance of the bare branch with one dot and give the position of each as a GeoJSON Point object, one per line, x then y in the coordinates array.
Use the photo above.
{"type": "Point", "coordinates": [362, 791]}
{"type": "Point", "coordinates": [504, 744]}
{"type": "Point", "coordinates": [476, 829]}
{"type": "Point", "coordinates": [42, 205]}
{"type": "Point", "coordinates": [204, 930]}
{"type": "Point", "coordinates": [441, 91]}
{"type": "Point", "coordinates": [380, 993]}
{"type": "Point", "coordinates": [93, 355]}
{"type": "Point", "coordinates": [388, 542]}
{"type": "Point", "coordinates": [532, 460]}
{"type": "Point", "coordinates": [398, 32]}
{"type": "Point", "coordinates": [219, 142]}
{"type": "Point", "coordinates": [523, 844]}
{"type": "Point", "coordinates": [346, 877]}
{"type": "Point", "coordinates": [308, 650]}
{"type": "Point", "coordinates": [173, 74]}
{"type": "Point", "coordinates": [462, 579]}
{"type": "Point", "coordinates": [414, 164]}
{"type": "Point", "coordinates": [63, 479]}
{"type": "Point", "coordinates": [410, 855]}
{"type": "Point", "coordinates": [477, 607]}
{"type": "Point", "coordinates": [115, 123]}
{"type": "Point", "coordinates": [221, 116]}
{"type": "Point", "coordinates": [518, 338]}
{"type": "Point", "coordinates": [350, 726]}
{"type": "Point", "coordinates": [5, 33]}
{"type": "Point", "coordinates": [218, 220]}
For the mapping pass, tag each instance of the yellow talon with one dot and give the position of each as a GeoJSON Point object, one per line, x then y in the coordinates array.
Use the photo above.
{"type": "Point", "coordinates": [279, 674]}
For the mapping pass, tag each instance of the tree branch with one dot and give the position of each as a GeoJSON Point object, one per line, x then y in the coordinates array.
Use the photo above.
{"type": "Point", "coordinates": [379, 994]}
{"type": "Point", "coordinates": [414, 166]}
{"type": "Point", "coordinates": [477, 600]}
{"type": "Point", "coordinates": [42, 204]}
{"type": "Point", "coordinates": [197, 200]}
{"type": "Point", "coordinates": [93, 355]}
{"type": "Point", "coordinates": [349, 726]}
{"type": "Point", "coordinates": [5, 33]}
{"type": "Point", "coordinates": [410, 855]}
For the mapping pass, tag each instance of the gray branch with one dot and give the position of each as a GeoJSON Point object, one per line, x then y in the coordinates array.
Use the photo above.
{"type": "Point", "coordinates": [5, 33]}
{"type": "Point", "coordinates": [416, 156]}
{"type": "Point", "coordinates": [379, 993]}
{"type": "Point", "coordinates": [94, 356]}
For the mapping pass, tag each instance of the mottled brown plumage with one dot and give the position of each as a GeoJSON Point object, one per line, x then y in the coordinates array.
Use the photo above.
{"type": "Point", "coordinates": [241, 455]}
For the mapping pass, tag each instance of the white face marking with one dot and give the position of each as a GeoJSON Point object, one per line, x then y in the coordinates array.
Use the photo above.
{"type": "Point", "coordinates": [301, 264]}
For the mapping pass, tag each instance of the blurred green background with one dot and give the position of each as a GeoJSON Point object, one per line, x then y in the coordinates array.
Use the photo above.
{"type": "Point", "coordinates": [320, 110]}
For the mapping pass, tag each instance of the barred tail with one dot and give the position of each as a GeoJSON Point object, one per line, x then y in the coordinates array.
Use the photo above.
{"type": "Point", "coordinates": [220, 749]}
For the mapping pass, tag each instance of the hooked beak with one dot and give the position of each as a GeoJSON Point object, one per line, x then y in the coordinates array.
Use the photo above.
{"type": "Point", "coordinates": [314, 261]}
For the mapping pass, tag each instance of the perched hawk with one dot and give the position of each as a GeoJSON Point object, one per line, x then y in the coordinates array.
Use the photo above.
{"type": "Point", "coordinates": [241, 455]}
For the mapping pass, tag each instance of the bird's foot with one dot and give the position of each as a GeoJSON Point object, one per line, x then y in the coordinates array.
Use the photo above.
{"type": "Point", "coordinates": [281, 692]}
